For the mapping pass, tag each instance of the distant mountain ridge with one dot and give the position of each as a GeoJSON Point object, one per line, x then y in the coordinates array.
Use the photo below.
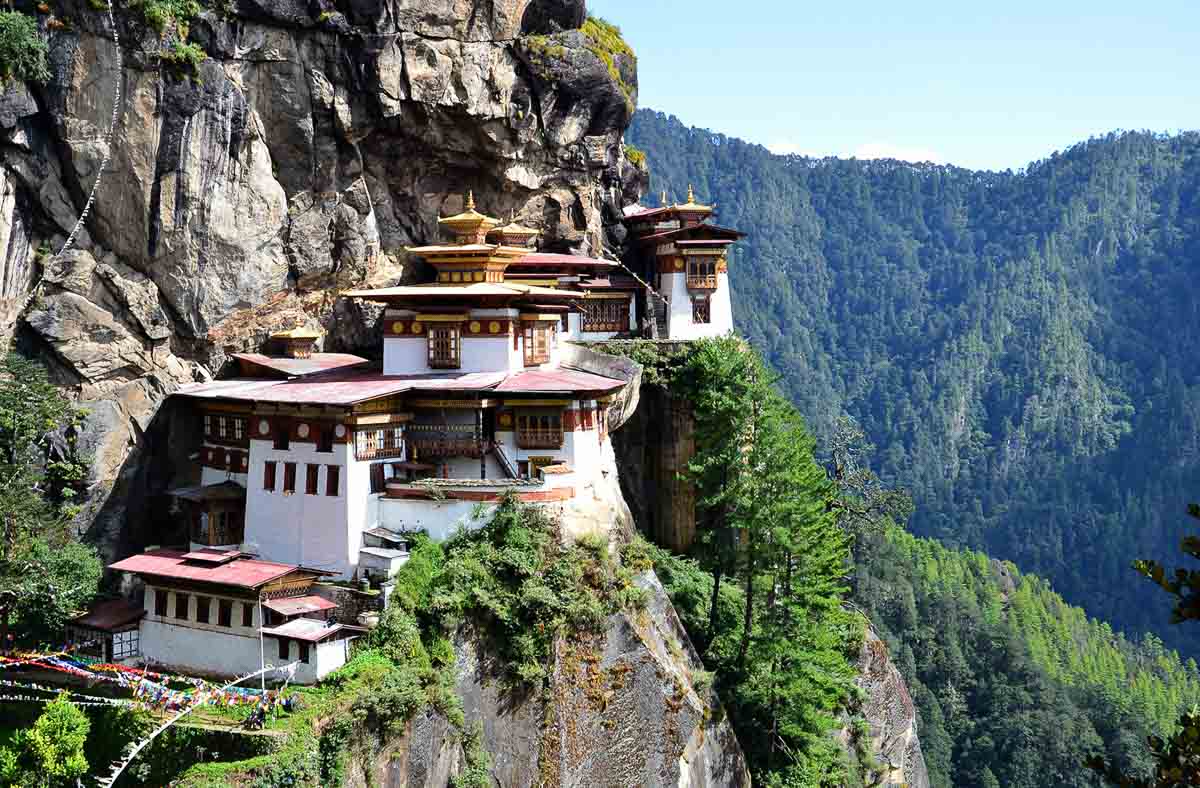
{"type": "Point", "coordinates": [1018, 346]}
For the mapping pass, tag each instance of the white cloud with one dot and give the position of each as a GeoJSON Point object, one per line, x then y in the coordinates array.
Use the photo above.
{"type": "Point", "coordinates": [888, 150]}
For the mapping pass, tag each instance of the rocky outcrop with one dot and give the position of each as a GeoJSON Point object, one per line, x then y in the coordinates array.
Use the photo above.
{"type": "Point", "coordinates": [891, 747]}
{"type": "Point", "coordinates": [624, 707]}
{"type": "Point", "coordinates": [311, 146]}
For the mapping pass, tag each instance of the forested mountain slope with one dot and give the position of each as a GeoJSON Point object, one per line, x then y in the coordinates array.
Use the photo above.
{"type": "Point", "coordinates": [1018, 346]}
{"type": "Point", "coordinates": [1014, 687]}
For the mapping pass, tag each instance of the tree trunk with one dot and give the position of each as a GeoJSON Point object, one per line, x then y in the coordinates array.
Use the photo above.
{"type": "Point", "coordinates": [748, 616]}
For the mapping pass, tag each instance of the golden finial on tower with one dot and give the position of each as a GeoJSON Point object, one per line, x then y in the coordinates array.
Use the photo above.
{"type": "Point", "coordinates": [470, 199]}
{"type": "Point", "coordinates": [691, 195]}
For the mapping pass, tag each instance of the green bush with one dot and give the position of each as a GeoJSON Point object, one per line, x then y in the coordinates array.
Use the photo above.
{"type": "Point", "coordinates": [167, 16]}
{"type": "Point", "coordinates": [518, 582]}
{"type": "Point", "coordinates": [183, 58]}
{"type": "Point", "coordinates": [636, 156]}
{"type": "Point", "coordinates": [22, 50]}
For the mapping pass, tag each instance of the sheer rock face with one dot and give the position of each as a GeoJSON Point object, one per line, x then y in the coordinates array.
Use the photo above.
{"type": "Point", "coordinates": [621, 709]}
{"type": "Point", "coordinates": [311, 147]}
{"type": "Point", "coordinates": [892, 718]}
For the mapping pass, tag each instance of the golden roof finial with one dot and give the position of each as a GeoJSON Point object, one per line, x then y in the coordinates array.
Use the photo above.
{"type": "Point", "coordinates": [691, 195]}
{"type": "Point", "coordinates": [470, 199]}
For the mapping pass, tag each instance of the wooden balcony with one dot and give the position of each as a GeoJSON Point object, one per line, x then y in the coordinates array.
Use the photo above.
{"type": "Point", "coordinates": [540, 438]}
{"type": "Point", "coordinates": [702, 281]}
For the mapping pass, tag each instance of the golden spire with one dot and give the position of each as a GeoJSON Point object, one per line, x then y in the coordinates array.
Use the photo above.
{"type": "Point", "coordinates": [470, 199]}
{"type": "Point", "coordinates": [691, 195]}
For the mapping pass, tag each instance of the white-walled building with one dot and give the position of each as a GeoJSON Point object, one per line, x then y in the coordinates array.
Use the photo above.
{"type": "Point", "coordinates": [224, 614]}
{"type": "Point", "coordinates": [318, 464]}
{"type": "Point", "coordinates": [687, 259]}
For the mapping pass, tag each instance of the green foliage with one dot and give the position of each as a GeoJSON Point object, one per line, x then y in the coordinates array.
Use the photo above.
{"type": "Point", "coordinates": [22, 50]}
{"type": "Point", "coordinates": [1020, 347]}
{"type": "Point", "coordinates": [636, 156]}
{"type": "Point", "coordinates": [183, 58]}
{"type": "Point", "coordinates": [51, 752]}
{"type": "Point", "coordinates": [45, 574]}
{"type": "Point", "coordinates": [605, 42]}
{"type": "Point", "coordinates": [476, 771]}
{"type": "Point", "coordinates": [167, 17]}
{"type": "Point", "coordinates": [522, 586]}
{"type": "Point", "coordinates": [1007, 677]}
{"type": "Point", "coordinates": [1183, 584]}
{"type": "Point", "coordinates": [762, 597]}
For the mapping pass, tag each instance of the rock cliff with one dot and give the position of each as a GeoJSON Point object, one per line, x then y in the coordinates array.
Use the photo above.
{"type": "Point", "coordinates": [891, 744]}
{"type": "Point", "coordinates": [306, 151]}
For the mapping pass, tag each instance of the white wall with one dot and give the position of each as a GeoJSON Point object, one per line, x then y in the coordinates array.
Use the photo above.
{"type": "Point", "coordinates": [679, 318]}
{"type": "Point", "coordinates": [409, 355]}
{"type": "Point", "coordinates": [323, 658]}
{"type": "Point", "coordinates": [441, 519]}
{"type": "Point", "coordinates": [191, 645]}
{"type": "Point", "coordinates": [312, 530]}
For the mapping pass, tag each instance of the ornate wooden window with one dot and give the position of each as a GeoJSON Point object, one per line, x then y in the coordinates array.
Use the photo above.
{"type": "Point", "coordinates": [538, 336]}
{"type": "Point", "coordinates": [606, 314]}
{"type": "Point", "coordinates": [702, 273]}
{"type": "Point", "coordinates": [700, 310]}
{"type": "Point", "coordinates": [539, 430]}
{"type": "Point", "coordinates": [445, 346]}
{"type": "Point", "coordinates": [377, 443]}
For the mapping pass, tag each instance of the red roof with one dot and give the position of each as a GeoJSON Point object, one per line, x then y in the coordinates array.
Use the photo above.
{"type": "Point", "coordinates": [298, 605]}
{"type": "Point", "coordinates": [241, 572]}
{"type": "Point", "coordinates": [350, 387]}
{"type": "Point", "coordinates": [704, 229]}
{"type": "Point", "coordinates": [339, 388]}
{"type": "Point", "coordinates": [110, 615]}
{"type": "Point", "coordinates": [299, 367]}
{"type": "Point", "coordinates": [538, 381]}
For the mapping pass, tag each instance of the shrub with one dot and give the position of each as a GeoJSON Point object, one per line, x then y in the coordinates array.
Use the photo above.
{"type": "Point", "coordinates": [518, 582]}
{"type": "Point", "coordinates": [184, 59]}
{"type": "Point", "coordinates": [22, 50]}
{"type": "Point", "coordinates": [636, 156]}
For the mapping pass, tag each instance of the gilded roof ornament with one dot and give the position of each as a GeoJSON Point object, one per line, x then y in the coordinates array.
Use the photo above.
{"type": "Point", "coordinates": [299, 332]}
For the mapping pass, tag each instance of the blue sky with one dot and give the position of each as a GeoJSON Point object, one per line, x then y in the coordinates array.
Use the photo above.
{"type": "Point", "coordinates": [993, 87]}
